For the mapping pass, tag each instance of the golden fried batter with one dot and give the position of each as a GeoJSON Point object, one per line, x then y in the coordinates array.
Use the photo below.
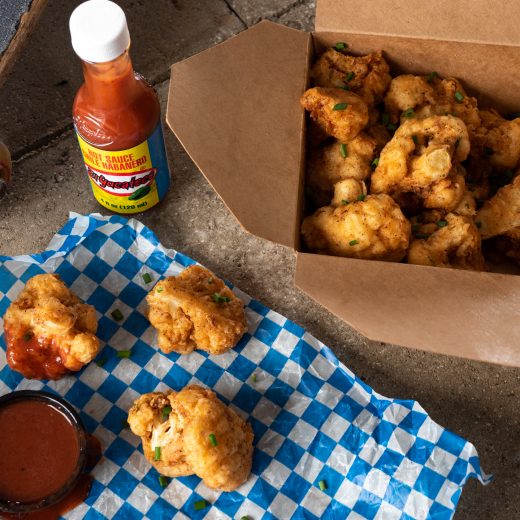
{"type": "Point", "coordinates": [456, 244]}
{"type": "Point", "coordinates": [48, 330]}
{"type": "Point", "coordinates": [374, 228]}
{"type": "Point", "coordinates": [347, 191]}
{"type": "Point", "coordinates": [196, 310]}
{"type": "Point", "coordinates": [367, 76]}
{"type": "Point", "coordinates": [405, 92]}
{"type": "Point", "coordinates": [199, 435]}
{"type": "Point", "coordinates": [327, 166]}
{"type": "Point", "coordinates": [339, 113]}
{"type": "Point", "coordinates": [421, 159]}
{"type": "Point", "coordinates": [501, 213]}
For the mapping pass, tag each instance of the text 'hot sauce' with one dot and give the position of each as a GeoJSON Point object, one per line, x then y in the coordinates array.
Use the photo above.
{"type": "Point", "coordinates": [116, 114]}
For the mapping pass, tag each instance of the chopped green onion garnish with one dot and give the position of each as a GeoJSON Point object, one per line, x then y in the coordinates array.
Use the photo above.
{"type": "Point", "coordinates": [101, 362]}
{"type": "Point", "coordinates": [478, 224]}
{"type": "Point", "coordinates": [213, 439]}
{"type": "Point", "coordinates": [344, 202]}
{"type": "Point", "coordinates": [166, 411]}
{"type": "Point", "coordinates": [340, 106]}
{"type": "Point", "coordinates": [345, 87]}
{"type": "Point", "coordinates": [323, 485]}
{"type": "Point", "coordinates": [459, 96]}
{"type": "Point", "coordinates": [27, 336]}
{"type": "Point", "coordinates": [432, 76]}
{"type": "Point", "coordinates": [374, 163]}
{"type": "Point", "coordinates": [353, 242]}
{"type": "Point", "coordinates": [147, 278]}
{"type": "Point", "coordinates": [421, 235]}
{"type": "Point", "coordinates": [343, 150]}
{"type": "Point", "coordinates": [409, 113]}
{"type": "Point", "coordinates": [200, 505]}
{"type": "Point", "coordinates": [416, 227]}
{"type": "Point", "coordinates": [245, 518]}
{"type": "Point", "coordinates": [218, 298]}
{"type": "Point", "coordinates": [442, 223]}
{"type": "Point", "coordinates": [488, 151]}
{"type": "Point", "coordinates": [415, 139]}
{"type": "Point", "coordinates": [340, 46]}
{"type": "Point", "coordinates": [163, 481]}
{"type": "Point", "coordinates": [392, 127]}
{"type": "Point", "coordinates": [361, 197]}
{"type": "Point", "coordinates": [124, 353]}
{"type": "Point", "coordinates": [210, 279]}
{"type": "Point", "coordinates": [350, 76]}
{"type": "Point", "coordinates": [157, 453]}
{"type": "Point", "coordinates": [385, 119]}
{"type": "Point", "coordinates": [117, 315]}
{"type": "Point", "coordinates": [253, 377]}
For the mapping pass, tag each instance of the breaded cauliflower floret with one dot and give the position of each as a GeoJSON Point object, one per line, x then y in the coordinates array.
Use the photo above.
{"type": "Point", "coordinates": [192, 432]}
{"type": "Point", "coordinates": [48, 330]}
{"type": "Point", "coordinates": [451, 242]}
{"type": "Point", "coordinates": [422, 159]}
{"type": "Point", "coordinates": [501, 213]}
{"type": "Point", "coordinates": [327, 166]}
{"type": "Point", "coordinates": [368, 76]}
{"type": "Point", "coordinates": [339, 113]}
{"type": "Point", "coordinates": [196, 310]}
{"type": "Point", "coordinates": [374, 228]}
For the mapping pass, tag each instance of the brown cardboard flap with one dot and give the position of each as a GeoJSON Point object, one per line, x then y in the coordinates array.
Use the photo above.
{"type": "Point", "coordinates": [459, 313]}
{"type": "Point", "coordinates": [235, 109]}
{"type": "Point", "coordinates": [453, 20]}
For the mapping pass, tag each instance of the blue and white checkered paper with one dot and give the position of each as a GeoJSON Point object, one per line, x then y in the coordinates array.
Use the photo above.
{"type": "Point", "coordinates": [313, 419]}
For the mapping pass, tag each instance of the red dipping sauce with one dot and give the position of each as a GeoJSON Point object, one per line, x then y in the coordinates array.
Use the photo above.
{"type": "Point", "coordinates": [42, 451]}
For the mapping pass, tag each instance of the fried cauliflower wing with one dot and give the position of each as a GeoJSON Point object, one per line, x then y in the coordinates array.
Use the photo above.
{"type": "Point", "coordinates": [501, 214]}
{"type": "Point", "coordinates": [368, 76]}
{"type": "Point", "coordinates": [327, 166]}
{"type": "Point", "coordinates": [48, 330]}
{"type": "Point", "coordinates": [339, 113]}
{"type": "Point", "coordinates": [373, 228]}
{"type": "Point", "coordinates": [193, 432]}
{"type": "Point", "coordinates": [422, 159]}
{"type": "Point", "coordinates": [196, 310]}
{"type": "Point", "coordinates": [456, 244]}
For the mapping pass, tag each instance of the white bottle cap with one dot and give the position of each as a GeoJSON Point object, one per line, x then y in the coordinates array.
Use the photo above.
{"type": "Point", "coordinates": [99, 31]}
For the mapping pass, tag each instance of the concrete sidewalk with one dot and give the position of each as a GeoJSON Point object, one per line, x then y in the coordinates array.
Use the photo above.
{"type": "Point", "coordinates": [479, 402]}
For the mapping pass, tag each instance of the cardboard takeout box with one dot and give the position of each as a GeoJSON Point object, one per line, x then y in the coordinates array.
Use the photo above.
{"type": "Point", "coordinates": [235, 108]}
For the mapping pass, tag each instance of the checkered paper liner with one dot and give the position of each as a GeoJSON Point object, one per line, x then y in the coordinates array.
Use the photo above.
{"type": "Point", "coordinates": [313, 419]}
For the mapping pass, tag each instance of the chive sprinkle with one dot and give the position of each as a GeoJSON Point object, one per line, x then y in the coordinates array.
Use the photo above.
{"type": "Point", "coordinates": [213, 439]}
{"type": "Point", "coordinates": [415, 139]}
{"type": "Point", "coordinates": [478, 224]}
{"type": "Point", "coordinates": [253, 377]}
{"type": "Point", "coordinates": [421, 235]}
{"type": "Point", "coordinates": [124, 353]}
{"type": "Point", "coordinates": [459, 96]}
{"type": "Point", "coordinates": [101, 362]}
{"type": "Point", "coordinates": [345, 87]}
{"type": "Point", "coordinates": [340, 46]}
{"type": "Point", "coordinates": [200, 505]}
{"type": "Point", "coordinates": [361, 197]}
{"type": "Point", "coordinates": [210, 279]}
{"type": "Point", "coordinates": [409, 113]}
{"type": "Point", "coordinates": [432, 76]}
{"type": "Point", "coordinates": [160, 289]}
{"type": "Point", "coordinates": [117, 315]}
{"type": "Point", "coordinates": [416, 227]}
{"type": "Point", "coordinates": [343, 150]}
{"type": "Point", "coordinates": [353, 243]}
{"type": "Point", "coordinates": [374, 163]}
{"type": "Point", "coordinates": [166, 411]}
{"type": "Point", "coordinates": [350, 76]}
{"type": "Point", "coordinates": [323, 485]}
{"type": "Point", "coordinates": [163, 481]}
{"type": "Point", "coordinates": [157, 453]}
{"type": "Point", "coordinates": [344, 202]}
{"type": "Point", "coordinates": [245, 518]}
{"type": "Point", "coordinates": [147, 278]}
{"type": "Point", "coordinates": [442, 223]}
{"type": "Point", "coordinates": [488, 151]}
{"type": "Point", "coordinates": [27, 336]}
{"type": "Point", "coordinates": [218, 298]}
{"type": "Point", "coordinates": [340, 106]}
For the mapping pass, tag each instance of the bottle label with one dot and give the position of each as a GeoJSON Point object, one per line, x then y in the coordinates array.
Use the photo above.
{"type": "Point", "coordinates": [128, 181]}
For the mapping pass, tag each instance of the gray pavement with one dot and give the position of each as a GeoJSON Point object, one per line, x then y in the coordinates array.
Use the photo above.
{"type": "Point", "coordinates": [478, 401]}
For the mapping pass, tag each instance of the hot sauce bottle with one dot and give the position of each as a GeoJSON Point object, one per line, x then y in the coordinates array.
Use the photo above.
{"type": "Point", "coordinates": [116, 114]}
